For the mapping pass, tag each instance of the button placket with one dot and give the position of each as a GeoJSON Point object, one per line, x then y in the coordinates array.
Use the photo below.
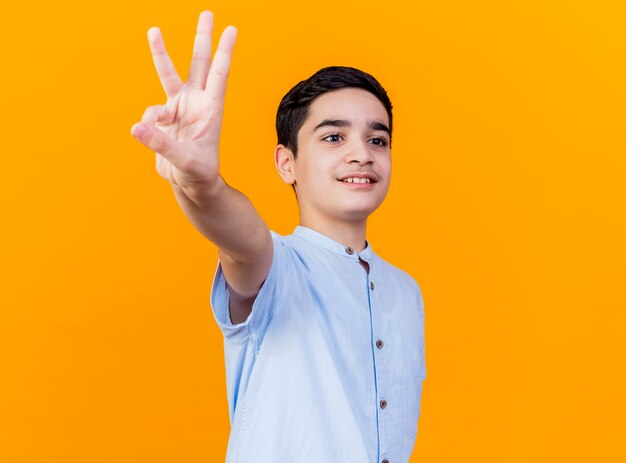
{"type": "Point", "coordinates": [379, 364]}
{"type": "Point", "coordinates": [381, 368]}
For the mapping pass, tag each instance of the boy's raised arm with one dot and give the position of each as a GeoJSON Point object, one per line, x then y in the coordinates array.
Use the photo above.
{"type": "Point", "coordinates": [184, 133]}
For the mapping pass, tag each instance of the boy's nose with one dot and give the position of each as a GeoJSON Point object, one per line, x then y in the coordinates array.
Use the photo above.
{"type": "Point", "coordinates": [359, 152]}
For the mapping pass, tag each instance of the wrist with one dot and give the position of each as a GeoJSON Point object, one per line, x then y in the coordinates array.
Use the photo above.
{"type": "Point", "coordinates": [204, 194]}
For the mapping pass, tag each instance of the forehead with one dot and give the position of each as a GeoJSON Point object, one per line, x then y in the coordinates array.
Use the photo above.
{"type": "Point", "coordinates": [351, 103]}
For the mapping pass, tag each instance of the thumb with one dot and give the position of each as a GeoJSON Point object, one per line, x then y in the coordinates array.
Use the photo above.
{"type": "Point", "coordinates": [157, 141]}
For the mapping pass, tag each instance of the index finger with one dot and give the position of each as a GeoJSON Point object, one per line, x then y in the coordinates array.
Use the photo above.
{"type": "Point", "coordinates": [170, 80]}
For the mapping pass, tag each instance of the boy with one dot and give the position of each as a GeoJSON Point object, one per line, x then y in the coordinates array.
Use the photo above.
{"type": "Point", "coordinates": [324, 340]}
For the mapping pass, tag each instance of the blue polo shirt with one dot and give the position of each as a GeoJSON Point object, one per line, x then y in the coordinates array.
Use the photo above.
{"type": "Point", "coordinates": [329, 365]}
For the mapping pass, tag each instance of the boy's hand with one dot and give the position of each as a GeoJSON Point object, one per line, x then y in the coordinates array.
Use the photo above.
{"type": "Point", "coordinates": [185, 131]}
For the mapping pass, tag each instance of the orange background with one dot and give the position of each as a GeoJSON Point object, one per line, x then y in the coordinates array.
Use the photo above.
{"type": "Point", "coordinates": [507, 205]}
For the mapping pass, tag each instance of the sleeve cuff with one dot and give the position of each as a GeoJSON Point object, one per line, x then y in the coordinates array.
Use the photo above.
{"type": "Point", "coordinates": [264, 305]}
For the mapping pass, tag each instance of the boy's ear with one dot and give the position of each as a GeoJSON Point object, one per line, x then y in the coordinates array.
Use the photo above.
{"type": "Point", "coordinates": [283, 158]}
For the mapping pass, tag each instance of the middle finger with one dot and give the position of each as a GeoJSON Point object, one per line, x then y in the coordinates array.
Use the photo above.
{"type": "Point", "coordinates": [201, 61]}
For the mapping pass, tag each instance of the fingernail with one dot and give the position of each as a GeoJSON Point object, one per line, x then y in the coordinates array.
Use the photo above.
{"type": "Point", "coordinates": [139, 130]}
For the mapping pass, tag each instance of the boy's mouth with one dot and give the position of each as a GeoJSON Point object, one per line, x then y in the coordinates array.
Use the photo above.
{"type": "Point", "coordinates": [357, 180]}
{"type": "Point", "coordinates": [358, 177]}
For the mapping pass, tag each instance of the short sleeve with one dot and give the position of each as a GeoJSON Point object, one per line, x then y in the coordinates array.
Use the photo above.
{"type": "Point", "coordinates": [264, 305]}
{"type": "Point", "coordinates": [422, 340]}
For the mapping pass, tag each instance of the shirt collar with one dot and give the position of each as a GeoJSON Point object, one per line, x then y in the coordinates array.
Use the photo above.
{"type": "Point", "coordinates": [334, 246]}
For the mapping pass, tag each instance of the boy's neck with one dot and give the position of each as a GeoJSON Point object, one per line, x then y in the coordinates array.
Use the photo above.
{"type": "Point", "coordinates": [350, 234]}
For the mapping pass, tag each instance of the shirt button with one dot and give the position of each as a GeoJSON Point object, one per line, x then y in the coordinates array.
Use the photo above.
{"type": "Point", "coordinates": [380, 344]}
{"type": "Point", "coordinates": [372, 285]}
{"type": "Point", "coordinates": [383, 403]}
{"type": "Point", "coordinates": [349, 250]}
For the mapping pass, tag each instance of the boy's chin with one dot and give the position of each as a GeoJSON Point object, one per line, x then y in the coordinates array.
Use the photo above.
{"type": "Point", "coordinates": [360, 212]}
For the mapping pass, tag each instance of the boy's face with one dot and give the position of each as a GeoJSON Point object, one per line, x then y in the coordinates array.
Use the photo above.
{"type": "Point", "coordinates": [345, 133]}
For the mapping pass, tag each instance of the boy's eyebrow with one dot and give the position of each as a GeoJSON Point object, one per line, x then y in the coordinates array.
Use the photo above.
{"type": "Point", "coordinates": [379, 126]}
{"type": "Point", "coordinates": [376, 125]}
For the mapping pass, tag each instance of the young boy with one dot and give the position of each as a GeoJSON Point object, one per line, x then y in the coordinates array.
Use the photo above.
{"type": "Point", "coordinates": [324, 340]}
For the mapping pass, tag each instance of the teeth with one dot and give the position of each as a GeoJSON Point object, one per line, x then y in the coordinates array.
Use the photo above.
{"type": "Point", "coordinates": [356, 180]}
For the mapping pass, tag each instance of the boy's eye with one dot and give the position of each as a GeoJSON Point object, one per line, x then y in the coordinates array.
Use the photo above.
{"type": "Point", "coordinates": [334, 137]}
{"type": "Point", "coordinates": [380, 141]}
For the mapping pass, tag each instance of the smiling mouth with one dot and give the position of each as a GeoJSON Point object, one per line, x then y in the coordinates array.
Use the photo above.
{"type": "Point", "coordinates": [357, 180]}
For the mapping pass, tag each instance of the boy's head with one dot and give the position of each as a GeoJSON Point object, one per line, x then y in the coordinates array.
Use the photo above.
{"type": "Point", "coordinates": [326, 123]}
{"type": "Point", "coordinates": [294, 107]}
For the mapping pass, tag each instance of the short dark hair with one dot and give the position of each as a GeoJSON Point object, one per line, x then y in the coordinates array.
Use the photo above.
{"type": "Point", "coordinates": [294, 107]}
